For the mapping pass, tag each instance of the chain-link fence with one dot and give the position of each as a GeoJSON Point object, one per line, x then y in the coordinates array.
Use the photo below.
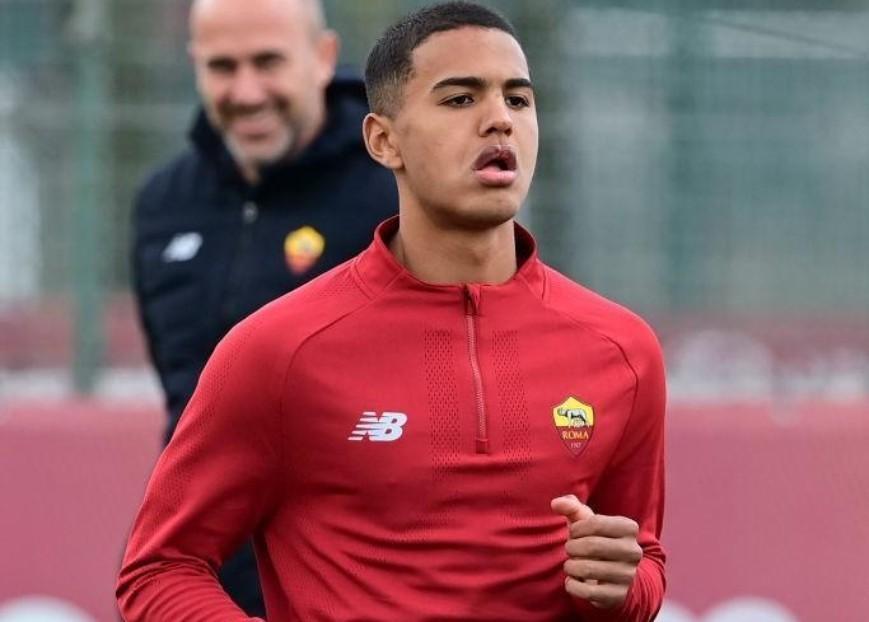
{"type": "Point", "coordinates": [705, 163]}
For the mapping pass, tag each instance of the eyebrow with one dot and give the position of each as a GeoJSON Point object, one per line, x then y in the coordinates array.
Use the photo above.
{"type": "Point", "coordinates": [478, 83]}
{"type": "Point", "coordinates": [220, 59]}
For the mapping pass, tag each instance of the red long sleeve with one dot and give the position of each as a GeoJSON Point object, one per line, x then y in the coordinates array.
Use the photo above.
{"type": "Point", "coordinates": [393, 447]}
{"type": "Point", "coordinates": [633, 484]}
{"type": "Point", "coordinates": [209, 489]}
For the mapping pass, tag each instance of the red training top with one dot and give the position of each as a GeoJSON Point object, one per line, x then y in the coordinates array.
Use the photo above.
{"type": "Point", "coordinates": [393, 447]}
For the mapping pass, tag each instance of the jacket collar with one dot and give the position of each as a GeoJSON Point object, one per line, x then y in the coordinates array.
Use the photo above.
{"type": "Point", "coordinates": [377, 268]}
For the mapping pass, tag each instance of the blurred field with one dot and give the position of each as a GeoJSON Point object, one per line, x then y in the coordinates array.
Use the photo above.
{"type": "Point", "coordinates": [760, 498]}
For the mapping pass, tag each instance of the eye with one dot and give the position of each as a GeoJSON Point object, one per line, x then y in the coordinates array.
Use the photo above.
{"type": "Point", "coordinates": [221, 65]}
{"type": "Point", "coordinates": [517, 101]}
{"type": "Point", "coordinates": [267, 61]}
{"type": "Point", "coordinates": [459, 101]}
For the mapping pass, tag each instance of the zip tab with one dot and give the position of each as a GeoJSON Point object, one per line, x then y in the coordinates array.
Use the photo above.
{"type": "Point", "coordinates": [249, 216]}
{"type": "Point", "coordinates": [472, 310]}
{"type": "Point", "coordinates": [249, 212]}
{"type": "Point", "coordinates": [472, 299]}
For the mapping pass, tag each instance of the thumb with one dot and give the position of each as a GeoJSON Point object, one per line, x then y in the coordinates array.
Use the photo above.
{"type": "Point", "coordinates": [571, 508]}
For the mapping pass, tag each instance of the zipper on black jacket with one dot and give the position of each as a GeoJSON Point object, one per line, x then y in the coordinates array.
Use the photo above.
{"type": "Point", "coordinates": [249, 216]}
{"type": "Point", "coordinates": [472, 307]}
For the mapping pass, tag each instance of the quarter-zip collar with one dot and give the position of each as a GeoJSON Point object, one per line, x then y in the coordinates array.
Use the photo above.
{"type": "Point", "coordinates": [377, 268]}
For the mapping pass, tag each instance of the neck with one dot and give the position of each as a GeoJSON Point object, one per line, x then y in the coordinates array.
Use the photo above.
{"type": "Point", "coordinates": [449, 256]}
{"type": "Point", "coordinates": [249, 171]}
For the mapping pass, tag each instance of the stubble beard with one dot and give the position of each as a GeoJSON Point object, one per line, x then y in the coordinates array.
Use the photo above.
{"type": "Point", "coordinates": [258, 156]}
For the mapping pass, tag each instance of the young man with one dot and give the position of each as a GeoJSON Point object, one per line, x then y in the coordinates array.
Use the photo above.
{"type": "Point", "coordinates": [409, 447]}
{"type": "Point", "coordinates": [275, 189]}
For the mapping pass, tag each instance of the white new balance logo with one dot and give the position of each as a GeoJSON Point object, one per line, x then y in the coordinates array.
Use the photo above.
{"type": "Point", "coordinates": [388, 427]}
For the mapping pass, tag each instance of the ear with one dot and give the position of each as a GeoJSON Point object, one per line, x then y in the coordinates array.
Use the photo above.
{"type": "Point", "coordinates": [328, 48]}
{"type": "Point", "coordinates": [379, 135]}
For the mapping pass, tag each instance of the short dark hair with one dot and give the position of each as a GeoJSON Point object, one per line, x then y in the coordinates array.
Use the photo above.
{"type": "Point", "coordinates": [390, 61]}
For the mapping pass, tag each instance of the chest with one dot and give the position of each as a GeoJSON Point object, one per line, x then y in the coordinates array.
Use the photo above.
{"type": "Point", "coordinates": [435, 410]}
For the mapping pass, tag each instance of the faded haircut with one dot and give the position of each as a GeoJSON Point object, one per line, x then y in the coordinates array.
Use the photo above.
{"type": "Point", "coordinates": [390, 62]}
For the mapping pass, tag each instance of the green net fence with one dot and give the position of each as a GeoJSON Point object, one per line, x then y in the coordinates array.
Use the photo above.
{"type": "Point", "coordinates": [704, 163]}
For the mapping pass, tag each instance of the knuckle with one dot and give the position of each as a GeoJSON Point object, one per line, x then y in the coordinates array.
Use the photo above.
{"type": "Point", "coordinates": [633, 527]}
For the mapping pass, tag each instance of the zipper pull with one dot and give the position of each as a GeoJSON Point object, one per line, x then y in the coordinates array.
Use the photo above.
{"type": "Point", "coordinates": [249, 212]}
{"type": "Point", "coordinates": [472, 299]}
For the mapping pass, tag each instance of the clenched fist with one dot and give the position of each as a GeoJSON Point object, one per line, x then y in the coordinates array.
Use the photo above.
{"type": "Point", "coordinates": [602, 553]}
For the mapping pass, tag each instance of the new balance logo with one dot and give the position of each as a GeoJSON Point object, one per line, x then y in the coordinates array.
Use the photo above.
{"type": "Point", "coordinates": [182, 247]}
{"type": "Point", "coordinates": [388, 427]}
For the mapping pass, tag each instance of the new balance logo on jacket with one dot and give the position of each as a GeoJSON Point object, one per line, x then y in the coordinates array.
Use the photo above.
{"type": "Point", "coordinates": [385, 428]}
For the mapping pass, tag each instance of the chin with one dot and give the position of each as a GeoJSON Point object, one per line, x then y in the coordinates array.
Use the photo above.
{"type": "Point", "coordinates": [482, 217]}
{"type": "Point", "coordinates": [262, 154]}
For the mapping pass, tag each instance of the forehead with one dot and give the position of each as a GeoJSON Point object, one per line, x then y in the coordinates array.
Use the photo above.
{"type": "Point", "coordinates": [469, 51]}
{"type": "Point", "coordinates": [233, 27]}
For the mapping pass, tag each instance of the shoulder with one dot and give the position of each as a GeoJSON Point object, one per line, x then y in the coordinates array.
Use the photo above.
{"type": "Point", "coordinates": [282, 326]}
{"type": "Point", "coordinates": [177, 179]}
{"type": "Point", "coordinates": [610, 320]}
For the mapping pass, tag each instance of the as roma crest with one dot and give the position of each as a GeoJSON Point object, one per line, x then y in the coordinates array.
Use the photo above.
{"type": "Point", "coordinates": [302, 249]}
{"type": "Point", "coordinates": [574, 422]}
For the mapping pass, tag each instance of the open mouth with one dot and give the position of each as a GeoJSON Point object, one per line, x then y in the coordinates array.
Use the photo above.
{"type": "Point", "coordinates": [496, 166]}
{"type": "Point", "coordinates": [496, 158]}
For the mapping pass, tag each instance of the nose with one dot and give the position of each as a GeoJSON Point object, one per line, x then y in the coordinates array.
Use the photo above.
{"type": "Point", "coordinates": [497, 117]}
{"type": "Point", "coordinates": [247, 87]}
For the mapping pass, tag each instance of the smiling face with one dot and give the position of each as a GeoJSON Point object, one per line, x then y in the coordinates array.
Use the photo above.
{"type": "Point", "coordinates": [463, 143]}
{"type": "Point", "coordinates": [262, 67]}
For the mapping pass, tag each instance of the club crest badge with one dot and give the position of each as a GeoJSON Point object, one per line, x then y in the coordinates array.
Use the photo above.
{"type": "Point", "coordinates": [302, 249]}
{"type": "Point", "coordinates": [574, 422]}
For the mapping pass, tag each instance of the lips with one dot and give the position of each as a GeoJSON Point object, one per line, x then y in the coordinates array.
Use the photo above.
{"type": "Point", "coordinates": [496, 166]}
{"type": "Point", "coordinates": [254, 124]}
{"type": "Point", "coordinates": [502, 157]}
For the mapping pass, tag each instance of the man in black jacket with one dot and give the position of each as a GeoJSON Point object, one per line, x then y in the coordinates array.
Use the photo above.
{"type": "Point", "coordinates": [276, 188]}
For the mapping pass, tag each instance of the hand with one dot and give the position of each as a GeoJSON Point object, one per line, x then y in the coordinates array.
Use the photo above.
{"type": "Point", "coordinates": [602, 553]}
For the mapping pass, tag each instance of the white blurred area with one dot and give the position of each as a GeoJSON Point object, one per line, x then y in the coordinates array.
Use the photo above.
{"type": "Point", "coordinates": [36, 608]}
{"type": "Point", "coordinates": [20, 259]}
{"type": "Point", "coordinates": [719, 364]}
{"type": "Point", "coordinates": [742, 609]}
{"type": "Point", "coordinates": [139, 385]}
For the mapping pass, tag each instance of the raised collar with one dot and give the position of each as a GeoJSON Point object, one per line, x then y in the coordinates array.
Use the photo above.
{"type": "Point", "coordinates": [377, 268]}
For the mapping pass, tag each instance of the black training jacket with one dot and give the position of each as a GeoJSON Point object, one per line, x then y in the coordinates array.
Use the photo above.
{"type": "Point", "coordinates": [208, 248]}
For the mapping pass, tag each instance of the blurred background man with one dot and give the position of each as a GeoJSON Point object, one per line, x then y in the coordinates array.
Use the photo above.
{"type": "Point", "coordinates": [274, 189]}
